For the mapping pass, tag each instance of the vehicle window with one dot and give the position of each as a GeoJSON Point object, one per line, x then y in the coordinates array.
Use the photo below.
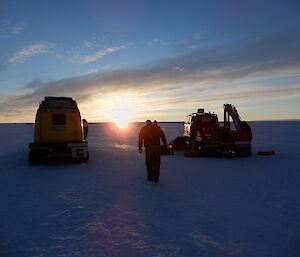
{"type": "Point", "coordinates": [58, 119]}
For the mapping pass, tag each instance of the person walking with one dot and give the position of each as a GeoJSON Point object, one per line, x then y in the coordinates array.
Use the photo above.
{"type": "Point", "coordinates": [85, 126]}
{"type": "Point", "coordinates": [150, 135]}
{"type": "Point", "coordinates": [161, 135]}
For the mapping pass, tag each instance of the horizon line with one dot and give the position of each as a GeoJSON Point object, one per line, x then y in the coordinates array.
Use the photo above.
{"type": "Point", "coordinates": [98, 122]}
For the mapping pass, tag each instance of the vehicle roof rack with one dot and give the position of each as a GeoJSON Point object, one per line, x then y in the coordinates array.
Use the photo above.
{"type": "Point", "coordinates": [58, 102]}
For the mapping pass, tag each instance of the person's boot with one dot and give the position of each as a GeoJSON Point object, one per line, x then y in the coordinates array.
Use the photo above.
{"type": "Point", "coordinates": [150, 175]}
{"type": "Point", "coordinates": [156, 177]}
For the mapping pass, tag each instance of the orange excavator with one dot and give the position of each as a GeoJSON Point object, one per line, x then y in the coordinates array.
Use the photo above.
{"type": "Point", "coordinates": [204, 135]}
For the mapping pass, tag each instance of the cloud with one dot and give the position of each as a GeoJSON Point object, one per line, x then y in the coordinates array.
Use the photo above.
{"type": "Point", "coordinates": [238, 71]}
{"type": "Point", "coordinates": [192, 43]}
{"type": "Point", "coordinates": [178, 68]}
{"type": "Point", "coordinates": [91, 71]}
{"type": "Point", "coordinates": [193, 46]}
{"type": "Point", "coordinates": [33, 84]}
{"type": "Point", "coordinates": [31, 50]}
{"type": "Point", "coordinates": [92, 44]}
{"type": "Point", "coordinates": [88, 44]}
{"type": "Point", "coordinates": [18, 28]}
{"type": "Point", "coordinates": [100, 54]}
{"type": "Point", "coordinates": [7, 28]}
{"type": "Point", "coordinates": [157, 41]}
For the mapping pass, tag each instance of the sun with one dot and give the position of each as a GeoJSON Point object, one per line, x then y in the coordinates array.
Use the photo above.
{"type": "Point", "coordinates": [122, 122]}
{"type": "Point", "coordinates": [121, 109]}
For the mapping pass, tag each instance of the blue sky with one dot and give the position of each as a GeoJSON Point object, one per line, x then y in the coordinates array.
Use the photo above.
{"type": "Point", "coordinates": [155, 59]}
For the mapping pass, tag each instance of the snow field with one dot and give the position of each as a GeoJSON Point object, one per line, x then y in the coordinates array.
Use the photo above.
{"type": "Point", "coordinates": [200, 207]}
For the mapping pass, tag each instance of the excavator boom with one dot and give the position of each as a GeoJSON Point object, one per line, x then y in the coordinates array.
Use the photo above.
{"type": "Point", "coordinates": [230, 110]}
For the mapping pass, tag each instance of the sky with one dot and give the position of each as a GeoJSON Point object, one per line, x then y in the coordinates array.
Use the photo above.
{"type": "Point", "coordinates": [151, 59]}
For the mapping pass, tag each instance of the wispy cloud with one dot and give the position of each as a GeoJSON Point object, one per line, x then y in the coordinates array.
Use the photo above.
{"type": "Point", "coordinates": [157, 41]}
{"type": "Point", "coordinates": [229, 72]}
{"type": "Point", "coordinates": [31, 50]}
{"type": "Point", "coordinates": [88, 44]}
{"type": "Point", "coordinates": [91, 71]}
{"type": "Point", "coordinates": [194, 42]}
{"type": "Point", "coordinates": [18, 28]}
{"type": "Point", "coordinates": [100, 54]}
{"type": "Point", "coordinates": [7, 28]}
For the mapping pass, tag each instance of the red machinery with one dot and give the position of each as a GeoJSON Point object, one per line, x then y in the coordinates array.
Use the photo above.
{"type": "Point", "coordinates": [205, 135]}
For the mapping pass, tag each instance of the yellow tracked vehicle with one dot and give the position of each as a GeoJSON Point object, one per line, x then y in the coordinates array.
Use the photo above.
{"type": "Point", "coordinates": [58, 131]}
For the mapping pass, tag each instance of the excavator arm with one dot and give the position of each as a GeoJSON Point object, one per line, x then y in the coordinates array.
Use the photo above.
{"type": "Point", "coordinates": [243, 129]}
{"type": "Point", "coordinates": [230, 110]}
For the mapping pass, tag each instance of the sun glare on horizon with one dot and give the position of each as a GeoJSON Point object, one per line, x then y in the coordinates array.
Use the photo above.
{"type": "Point", "coordinates": [121, 110]}
{"type": "Point", "coordinates": [122, 118]}
{"type": "Point", "coordinates": [122, 123]}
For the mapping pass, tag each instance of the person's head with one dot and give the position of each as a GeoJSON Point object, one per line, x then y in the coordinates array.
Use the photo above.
{"type": "Point", "coordinates": [148, 123]}
{"type": "Point", "coordinates": [155, 123]}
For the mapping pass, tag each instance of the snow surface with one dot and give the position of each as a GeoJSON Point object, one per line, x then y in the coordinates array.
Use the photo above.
{"type": "Point", "coordinates": [201, 206]}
